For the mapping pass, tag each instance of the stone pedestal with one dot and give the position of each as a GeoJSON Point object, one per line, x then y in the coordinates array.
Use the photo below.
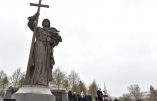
{"type": "Point", "coordinates": [33, 93]}
{"type": "Point", "coordinates": [61, 95]}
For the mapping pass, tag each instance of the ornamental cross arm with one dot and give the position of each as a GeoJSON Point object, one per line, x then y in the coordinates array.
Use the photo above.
{"type": "Point", "coordinates": [39, 5]}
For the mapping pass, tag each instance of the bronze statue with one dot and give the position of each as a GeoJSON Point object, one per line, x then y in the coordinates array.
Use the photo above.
{"type": "Point", "coordinates": [42, 60]}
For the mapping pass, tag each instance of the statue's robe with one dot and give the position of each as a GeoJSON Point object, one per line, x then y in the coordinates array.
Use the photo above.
{"type": "Point", "coordinates": [39, 71]}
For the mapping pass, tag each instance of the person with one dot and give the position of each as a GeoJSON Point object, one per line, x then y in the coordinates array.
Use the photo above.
{"type": "Point", "coordinates": [105, 95]}
{"type": "Point", "coordinates": [100, 95]}
{"type": "Point", "coordinates": [83, 97]}
{"type": "Point", "coordinates": [90, 97]}
{"type": "Point", "coordinates": [39, 71]}
{"type": "Point", "coordinates": [75, 97]}
{"type": "Point", "coordinates": [70, 95]}
{"type": "Point", "coordinates": [96, 98]}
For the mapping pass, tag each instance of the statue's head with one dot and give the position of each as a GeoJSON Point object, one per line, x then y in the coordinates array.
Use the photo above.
{"type": "Point", "coordinates": [46, 23]}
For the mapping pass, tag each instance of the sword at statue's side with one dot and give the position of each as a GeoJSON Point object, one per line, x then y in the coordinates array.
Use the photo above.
{"type": "Point", "coordinates": [34, 33]}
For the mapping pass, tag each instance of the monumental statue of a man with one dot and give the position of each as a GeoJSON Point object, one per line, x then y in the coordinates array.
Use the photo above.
{"type": "Point", "coordinates": [39, 71]}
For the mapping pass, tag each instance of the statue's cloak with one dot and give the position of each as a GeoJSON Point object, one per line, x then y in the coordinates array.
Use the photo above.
{"type": "Point", "coordinates": [39, 70]}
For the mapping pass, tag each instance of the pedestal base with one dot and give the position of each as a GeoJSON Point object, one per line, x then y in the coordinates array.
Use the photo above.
{"type": "Point", "coordinates": [33, 93]}
{"type": "Point", "coordinates": [61, 95]}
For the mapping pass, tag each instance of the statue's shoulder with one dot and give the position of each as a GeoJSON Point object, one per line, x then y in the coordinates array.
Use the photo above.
{"type": "Point", "coordinates": [54, 30]}
{"type": "Point", "coordinates": [40, 30]}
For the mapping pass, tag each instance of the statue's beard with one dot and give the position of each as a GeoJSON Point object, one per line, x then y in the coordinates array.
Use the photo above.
{"type": "Point", "coordinates": [46, 26]}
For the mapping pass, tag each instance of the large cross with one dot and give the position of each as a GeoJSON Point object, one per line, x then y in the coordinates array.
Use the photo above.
{"type": "Point", "coordinates": [38, 10]}
{"type": "Point", "coordinates": [39, 5]}
{"type": "Point", "coordinates": [35, 30]}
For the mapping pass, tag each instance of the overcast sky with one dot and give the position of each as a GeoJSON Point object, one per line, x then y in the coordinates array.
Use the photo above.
{"type": "Point", "coordinates": [110, 41]}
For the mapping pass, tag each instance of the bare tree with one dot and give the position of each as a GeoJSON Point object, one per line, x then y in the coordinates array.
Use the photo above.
{"type": "Point", "coordinates": [135, 91]}
{"type": "Point", "coordinates": [58, 78]}
{"type": "Point", "coordinates": [73, 79]}
{"type": "Point", "coordinates": [125, 97]}
{"type": "Point", "coordinates": [2, 74]}
{"type": "Point", "coordinates": [3, 82]}
{"type": "Point", "coordinates": [15, 78]}
{"type": "Point", "coordinates": [22, 80]}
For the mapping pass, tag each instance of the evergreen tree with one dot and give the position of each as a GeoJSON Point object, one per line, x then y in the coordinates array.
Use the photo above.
{"type": "Point", "coordinates": [82, 87]}
{"type": "Point", "coordinates": [153, 94]}
{"type": "Point", "coordinates": [66, 84]}
{"type": "Point", "coordinates": [93, 87]}
{"type": "Point", "coordinates": [75, 88]}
